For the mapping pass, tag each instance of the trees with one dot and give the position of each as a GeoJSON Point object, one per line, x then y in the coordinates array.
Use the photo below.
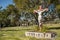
{"type": "Point", "coordinates": [9, 16]}
{"type": "Point", "coordinates": [27, 6]}
{"type": "Point", "coordinates": [30, 5]}
{"type": "Point", "coordinates": [3, 18]}
{"type": "Point", "coordinates": [13, 14]}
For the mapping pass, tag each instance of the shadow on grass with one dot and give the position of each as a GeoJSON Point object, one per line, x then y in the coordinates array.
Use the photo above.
{"type": "Point", "coordinates": [54, 28]}
{"type": "Point", "coordinates": [17, 30]}
{"type": "Point", "coordinates": [28, 29]}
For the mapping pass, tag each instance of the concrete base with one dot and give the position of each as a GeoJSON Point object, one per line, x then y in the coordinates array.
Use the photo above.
{"type": "Point", "coordinates": [38, 35]}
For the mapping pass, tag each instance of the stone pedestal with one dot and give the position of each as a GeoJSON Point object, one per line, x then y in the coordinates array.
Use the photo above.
{"type": "Point", "coordinates": [39, 35]}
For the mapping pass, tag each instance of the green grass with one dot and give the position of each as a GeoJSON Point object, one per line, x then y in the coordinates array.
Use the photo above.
{"type": "Point", "coordinates": [18, 33]}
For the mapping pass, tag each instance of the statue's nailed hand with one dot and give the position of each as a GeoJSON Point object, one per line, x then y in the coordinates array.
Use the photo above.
{"type": "Point", "coordinates": [34, 11]}
{"type": "Point", "coordinates": [46, 9]}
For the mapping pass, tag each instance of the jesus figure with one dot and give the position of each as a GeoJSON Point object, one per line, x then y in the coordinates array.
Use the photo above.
{"type": "Point", "coordinates": [40, 11]}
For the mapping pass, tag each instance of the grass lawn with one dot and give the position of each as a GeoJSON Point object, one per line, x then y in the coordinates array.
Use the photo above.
{"type": "Point", "coordinates": [18, 33]}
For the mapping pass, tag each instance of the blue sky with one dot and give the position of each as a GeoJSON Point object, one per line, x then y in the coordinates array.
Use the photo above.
{"type": "Point", "coordinates": [5, 3]}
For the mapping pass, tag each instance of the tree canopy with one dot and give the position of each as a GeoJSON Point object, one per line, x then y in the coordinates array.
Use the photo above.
{"type": "Point", "coordinates": [12, 15]}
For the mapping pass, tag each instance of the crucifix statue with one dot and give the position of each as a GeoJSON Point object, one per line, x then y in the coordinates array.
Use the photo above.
{"type": "Point", "coordinates": [40, 11]}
